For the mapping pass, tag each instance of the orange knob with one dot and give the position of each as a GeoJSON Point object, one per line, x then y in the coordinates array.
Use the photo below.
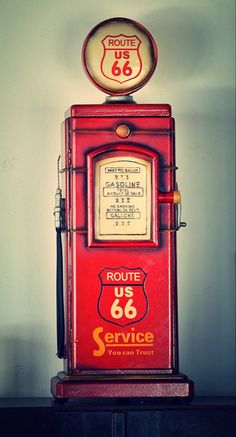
{"type": "Point", "coordinates": [123, 130]}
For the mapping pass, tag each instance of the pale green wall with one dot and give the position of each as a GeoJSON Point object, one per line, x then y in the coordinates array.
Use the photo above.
{"type": "Point", "coordinates": [41, 75]}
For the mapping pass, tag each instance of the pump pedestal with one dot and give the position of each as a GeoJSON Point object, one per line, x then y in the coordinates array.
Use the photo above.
{"type": "Point", "coordinates": [130, 386]}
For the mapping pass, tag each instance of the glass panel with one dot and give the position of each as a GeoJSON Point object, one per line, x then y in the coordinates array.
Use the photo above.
{"type": "Point", "coordinates": [123, 199]}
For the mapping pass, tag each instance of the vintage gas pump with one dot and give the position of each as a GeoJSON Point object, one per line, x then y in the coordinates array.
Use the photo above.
{"type": "Point", "coordinates": [117, 214]}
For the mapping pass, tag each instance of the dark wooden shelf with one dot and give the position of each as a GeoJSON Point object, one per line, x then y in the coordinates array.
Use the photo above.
{"type": "Point", "coordinates": [34, 417]}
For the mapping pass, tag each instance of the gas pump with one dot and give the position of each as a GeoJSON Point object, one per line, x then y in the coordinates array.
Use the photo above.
{"type": "Point", "coordinates": [117, 213]}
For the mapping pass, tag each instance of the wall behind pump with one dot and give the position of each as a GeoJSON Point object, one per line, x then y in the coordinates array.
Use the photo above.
{"type": "Point", "coordinates": [41, 76]}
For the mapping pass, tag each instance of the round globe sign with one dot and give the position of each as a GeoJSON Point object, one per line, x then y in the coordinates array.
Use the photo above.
{"type": "Point", "coordinates": [119, 56]}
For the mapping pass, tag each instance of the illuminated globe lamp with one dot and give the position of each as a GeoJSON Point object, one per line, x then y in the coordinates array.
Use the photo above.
{"type": "Point", "coordinates": [119, 57]}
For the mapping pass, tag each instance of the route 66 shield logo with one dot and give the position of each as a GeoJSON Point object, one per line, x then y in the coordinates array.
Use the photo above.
{"type": "Point", "coordinates": [121, 59]}
{"type": "Point", "coordinates": [123, 299]}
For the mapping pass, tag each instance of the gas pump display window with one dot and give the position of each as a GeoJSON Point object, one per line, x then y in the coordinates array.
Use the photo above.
{"type": "Point", "coordinates": [123, 199]}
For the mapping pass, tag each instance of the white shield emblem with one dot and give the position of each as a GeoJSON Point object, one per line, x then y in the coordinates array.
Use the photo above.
{"type": "Point", "coordinates": [121, 59]}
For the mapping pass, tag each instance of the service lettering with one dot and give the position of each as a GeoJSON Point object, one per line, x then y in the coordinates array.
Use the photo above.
{"type": "Point", "coordinates": [137, 340]}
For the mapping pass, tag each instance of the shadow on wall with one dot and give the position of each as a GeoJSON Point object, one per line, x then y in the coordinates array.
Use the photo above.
{"type": "Point", "coordinates": [24, 362]}
{"type": "Point", "coordinates": [185, 39]}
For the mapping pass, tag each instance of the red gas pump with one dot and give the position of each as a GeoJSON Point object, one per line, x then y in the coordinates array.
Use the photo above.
{"type": "Point", "coordinates": [117, 214]}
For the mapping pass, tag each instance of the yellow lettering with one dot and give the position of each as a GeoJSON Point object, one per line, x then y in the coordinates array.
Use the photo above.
{"type": "Point", "coordinates": [140, 337]}
{"type": "Point", "coordinates": [149, 337]}
{"type": "Point", "coordinates": [109, 337]}
{"type": "Point", "coordinates": [101, 346]}
{"type": "Point", "coordinates": [121, 339]}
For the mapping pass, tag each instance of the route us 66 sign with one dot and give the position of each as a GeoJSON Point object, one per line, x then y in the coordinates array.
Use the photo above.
{"type": "Point", "coordinates": [122, 300]}
{"type": "Point", "coordinates": [119, 56]}
{"type": "Point", "coordinates": [121, 59]}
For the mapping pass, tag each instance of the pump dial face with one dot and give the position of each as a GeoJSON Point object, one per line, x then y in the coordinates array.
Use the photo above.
{"type": "Point", "coordinates": [119, 56]}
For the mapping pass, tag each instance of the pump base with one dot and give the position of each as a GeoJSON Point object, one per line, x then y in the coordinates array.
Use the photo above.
{"type": "Point", "coordinates": [135, 386]}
